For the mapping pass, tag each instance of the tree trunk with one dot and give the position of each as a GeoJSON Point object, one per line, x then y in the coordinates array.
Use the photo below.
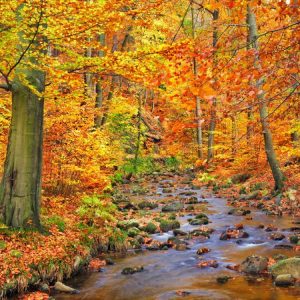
{"type": "Point", "coordinates": [20, 187]}
{"type": "Point", "coordinates": [213, 114]}
{"type": "Point", "coordinates": [197, 98]}
{"type": "Point", "coordinates": [99, 89]}
{"type": "Point", "coordinates": [263, 109]}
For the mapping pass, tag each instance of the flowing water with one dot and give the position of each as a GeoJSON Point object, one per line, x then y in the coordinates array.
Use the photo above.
{"type": "Point", "coordinates": [167, 272]}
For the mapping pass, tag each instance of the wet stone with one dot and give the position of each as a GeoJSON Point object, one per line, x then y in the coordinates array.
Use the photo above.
{"type": "Point", "coordinates": [277, 236]}
{"type": "Point", "coordinates": [254, 265]}
{"type": "Point", "coordinates": [284, 280]}
{"type": "Point", "coordinates": [132, 270]}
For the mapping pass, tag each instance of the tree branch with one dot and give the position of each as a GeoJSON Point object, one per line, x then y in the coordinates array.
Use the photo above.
{"type": "Point", "coordinates": [30, 42]}
{"type": "Point", "coordinates": [4, 86]}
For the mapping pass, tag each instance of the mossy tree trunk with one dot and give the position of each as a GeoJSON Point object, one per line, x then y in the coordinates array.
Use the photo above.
{"type": "Point", "coordinates": [20, 187]}
{"type": "Point", "coordinates": [263, 108]}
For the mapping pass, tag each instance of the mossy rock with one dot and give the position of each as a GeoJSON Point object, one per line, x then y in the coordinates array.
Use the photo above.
{"type": "Point", "coordinates": [147, 205]}
{"type": "Point", "coordinates": [150, 228]}
{"type": "Point", "coordinates": [294, 239]}
{"type": "Point", "coordinates": [167, 225]}
{"type": "Point", "coordinates": [126, 224]}
{"type": "Point", "coordinates": [201, 216]}
{"type": "Point", "coordinates": [240, 178]}
{"type": "Point", "coordinates": [173, 207]}
{"type": "Point", "coordinates": [133, 232]}
{"type": "Point", "coordinates": [202, 221]}
{"type": "Point", "coordinates": [287, 266]}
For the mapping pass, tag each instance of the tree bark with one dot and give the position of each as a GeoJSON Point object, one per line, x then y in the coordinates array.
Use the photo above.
{"type": "Point", "coordinates": [263, 109]}
{"type": "Point", "coordinates": [213, 114]}
{"type": "Point", "coordinates": [197, 98]}
{"type": "Point", "coordinates": [20, 187]}
{"type": "Point", "coordinates": [99, 89]}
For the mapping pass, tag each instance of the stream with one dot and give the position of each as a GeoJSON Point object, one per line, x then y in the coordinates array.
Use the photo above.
{"type": "Point", "coordinates": [167, 272]}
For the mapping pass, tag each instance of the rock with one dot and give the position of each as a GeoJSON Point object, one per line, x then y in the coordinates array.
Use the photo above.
{"type": "Point", "coordinates": [191, 200]}
{"type": "Point", "coordinates": [202, 251]}
{"type": "Point", "coordinates": [109, 261]}
{"type": "Point", "coordinates": [178, 232]}
{"type": "Point", "coordinates": [190, 193]}
{"type": "Point", "coordinates": [154, 246]}
{"type": "Point", "coordinates": [254, 265]}
{"type": "Point", "coordinates": [147, 205]}
{"type": "Point", "coordinates": [208, 263]}
{"type": "Point", "coordinates": [278, 257]}
{"type": "Point", "coordinates": [284, 246]}
{"type": "Point", "coordinates": [239, 212]}
{"type": "Point", "coordinates": [182, 293]}
{"type": "Point", "coordinates": [294, 239]}
{"type": "Point", "coordinates": [223, 279]}
{"type": "Point", "coordinates": [284, 280]}
{"type": "Point", "coordinates": [233, 234]}
{"type": "Point", "coordinates": [200, 232]}
{"type": "Point", "coordinates": [126, 224]}
{"type": "Point", "coordinates": [287, 266]}
{"type": "Point", "coordinates": [176, 206]}
{"type": "Point", "coordinates": [130, 270]}
{"type": "Point", "coordinates": [181, 247]}
{"type": "Point", "coordinates": [277, 236]}
{"type": "Point", "coordinates": [167, 191]}
{"type": "Point", "coordinates": [77, 263]}
{"type": "Point", "coordinates": [44, 287]}
{"type": "Point", "coordinates": [60, 287]}
{"type": "Point", "coordinates": [126, 205]}
{"type": "Point", "coordinates": [198, 221]}
{"type": "Point", "coordinates": [190, 208]}
{"type": "Point", "coordinates": [201, 216]}
{"type": "Point", "coordinates": [270, 228]}
{"type": "Point", "coordinates": [167, 225]}
{"type": "Point", "coordinates": [240, 178]}
{"type": "Point", "coordinates": [150, 228]}
{"type": "Point", "coordinates": [133, 232]}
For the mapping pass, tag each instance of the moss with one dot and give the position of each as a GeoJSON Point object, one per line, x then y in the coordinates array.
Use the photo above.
{"type": "Point", "coordinates": [167, 225]}
{"type": "Point", "coordinates": [133, 232]}
{"type": "Point", "coordinates": [150, 228]}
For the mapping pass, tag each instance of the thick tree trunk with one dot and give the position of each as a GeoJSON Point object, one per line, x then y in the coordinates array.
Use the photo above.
{"type": "Point", "coordinates": [213, 113]}
{"type": "Point", "coordinates": [263, 109]}
{"type": "Point", "coordinates": [20, 187]}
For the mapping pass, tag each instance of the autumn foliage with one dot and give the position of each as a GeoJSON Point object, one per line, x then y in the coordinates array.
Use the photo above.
{"type": "Point", "coordinates": [121, 87]}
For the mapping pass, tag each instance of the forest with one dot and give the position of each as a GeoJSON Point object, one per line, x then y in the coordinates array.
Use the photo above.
{"type": "Point", "coordinates": [149, 149]}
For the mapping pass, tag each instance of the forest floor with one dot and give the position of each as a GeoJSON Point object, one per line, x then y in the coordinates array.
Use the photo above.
{"type": "Point", "coordinates": [182, 240]}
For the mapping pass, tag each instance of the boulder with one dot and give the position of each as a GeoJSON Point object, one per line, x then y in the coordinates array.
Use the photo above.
{"type": "Point", "coordinates": [277, 236]}
{"type": "Point", "coordinates": [147, 205]}
{"type": "Point", "coordinates": [126, 224]}
{"type": "Point", "coordinates": [254, 265]}
{"type": "Point", "coordinates": [176, 206]}
{"type": "Point", "coordinates": [167, 225]}
{"type": "Point", "coordinates": [178, 232]}
{"type": "Point", "coordinates": [287, 266]}
{"type": "Point", "coordinates": [198, 221]}
{"type": "Point", "coordinates": [150, 228]}
{"type": "Point", "coordinates": [285, 280]}
{"type": "Point", "coordinates": [132, 270]}
{"type": "Point", "coordinates": [60, 287]}
{"type": "Point", "coordinates": [223, 279]}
